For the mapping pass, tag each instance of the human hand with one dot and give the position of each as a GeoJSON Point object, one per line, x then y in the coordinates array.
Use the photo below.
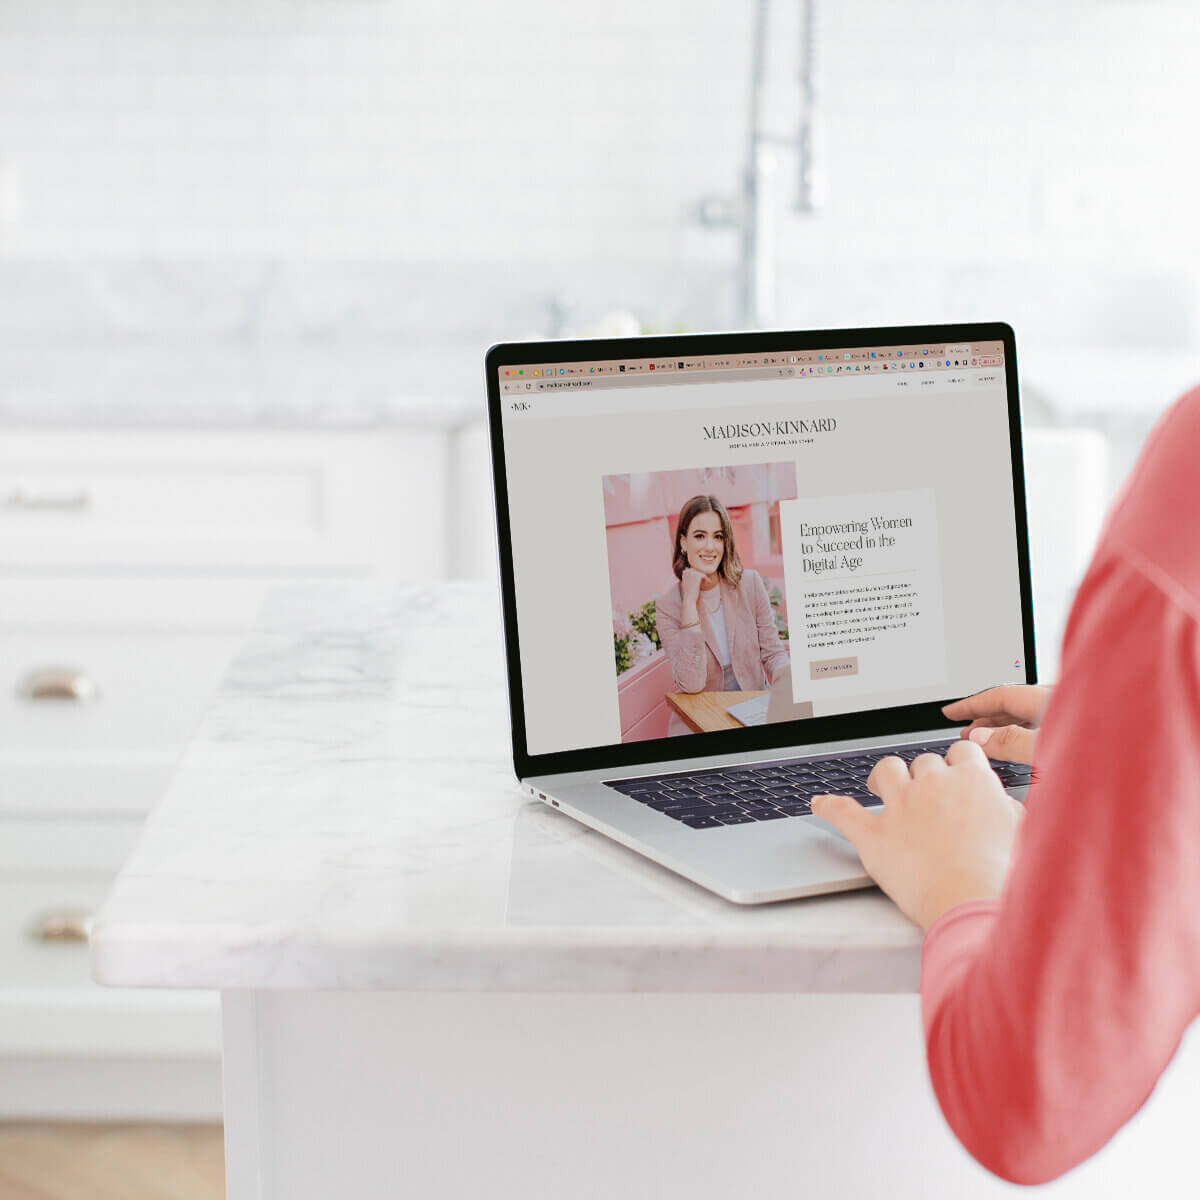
{"type": "Point", "coordinates": [943, 836]}
{"type": "Point", "coordinates": [1003, 719]}
{"type": "Point", "coordinates": [689, 584]}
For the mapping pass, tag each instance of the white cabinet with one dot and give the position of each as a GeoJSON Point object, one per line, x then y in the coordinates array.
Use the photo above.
{"type": "Point", "coordinates": [131, 565]}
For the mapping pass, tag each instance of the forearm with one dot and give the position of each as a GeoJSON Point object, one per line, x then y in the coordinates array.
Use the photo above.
{"type": "Point", "coordinates": [1050, 1013]}
{"type": "Point", "coordinates": [685, 650]}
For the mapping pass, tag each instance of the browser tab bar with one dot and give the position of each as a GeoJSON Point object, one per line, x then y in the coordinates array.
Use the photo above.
{"type": "Point", "coordinates": [835, 361]}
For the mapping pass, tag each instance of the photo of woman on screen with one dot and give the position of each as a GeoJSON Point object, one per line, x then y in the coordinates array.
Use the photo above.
{"type": "Point", "coordinates": [716, 623]}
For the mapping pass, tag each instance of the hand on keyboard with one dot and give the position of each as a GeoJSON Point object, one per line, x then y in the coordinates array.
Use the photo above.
{"type": "Point", "coordinates": [943, 835]}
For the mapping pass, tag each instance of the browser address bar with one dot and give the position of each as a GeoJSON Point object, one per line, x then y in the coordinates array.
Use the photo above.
{"type": "Point", "coordinates": [643, 381]}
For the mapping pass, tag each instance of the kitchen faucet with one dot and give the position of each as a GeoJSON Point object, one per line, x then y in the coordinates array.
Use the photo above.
{"type": "Point", "coordinates": [754, 213]}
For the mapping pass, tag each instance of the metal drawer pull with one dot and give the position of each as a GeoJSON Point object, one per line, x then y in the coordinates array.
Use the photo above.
{"type": "Point", "coordinates": [58, 683]}
{"type": "Point", "coordinates": [62, 925]}
{"type": "Point", "coordinates": [47, 502]}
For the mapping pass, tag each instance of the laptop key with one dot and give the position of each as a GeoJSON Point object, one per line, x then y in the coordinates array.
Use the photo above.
{"type": "Point", "coordinates": [736, 819]}
{"type": "Point", "coordinates": [632, 786]}
{"type": "Point", "coordinates": [800, 795]}
{"type": "Point", "coordinates": [760, 795]}
{"type": "Point", "coordinates": [701, 822]}
{"type": "Point", "coordinates": [767, 814]}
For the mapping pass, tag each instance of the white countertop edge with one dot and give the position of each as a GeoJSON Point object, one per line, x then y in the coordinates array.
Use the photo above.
{"type": "Point", "coordinates": [696, 961]}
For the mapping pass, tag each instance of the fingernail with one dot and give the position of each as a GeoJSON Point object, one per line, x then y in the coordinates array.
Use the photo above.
{"type": "Point", "coordinates": [981, 735]}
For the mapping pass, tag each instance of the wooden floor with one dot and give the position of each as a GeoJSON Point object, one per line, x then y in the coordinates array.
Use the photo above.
{"type": "Point", "coordinates": [121, 1162]}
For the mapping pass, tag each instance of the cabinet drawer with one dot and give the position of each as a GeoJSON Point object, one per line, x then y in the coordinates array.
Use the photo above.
{"type": "Point", "coordinates": [53, 873]}
{"type": "Point", "coordinates": [31, 846]}
{"type": "Point", "coordinates": [49, 1006]}
{"type": "Point", "coordinates": [182, 601]}
{"type": "Point", "coordinates": [39, 784]}
{"type": "Point", "coordinates": [190, 501]}
{"type": "Point", "coordinates": [149, 692]}
{"type": "Point", "coordinates": [28, 957]}
{"type": "Point", "coordinates": [247, 499]}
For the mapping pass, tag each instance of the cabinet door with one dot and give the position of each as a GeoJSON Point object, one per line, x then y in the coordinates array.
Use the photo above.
{"type": "Point", "coordinates": [249, 499]}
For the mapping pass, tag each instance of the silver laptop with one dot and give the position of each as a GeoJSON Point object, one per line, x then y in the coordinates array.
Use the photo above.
{"type": "Point", "coordinates": [737, 569]}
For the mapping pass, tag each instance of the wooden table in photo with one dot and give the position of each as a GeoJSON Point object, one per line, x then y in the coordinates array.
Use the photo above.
{"type": "Point", "coordinates": [706, 712]}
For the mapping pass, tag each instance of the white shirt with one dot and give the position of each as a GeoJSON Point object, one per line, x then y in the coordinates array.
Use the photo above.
{"type": "Point", "coordinates": [719, 632]}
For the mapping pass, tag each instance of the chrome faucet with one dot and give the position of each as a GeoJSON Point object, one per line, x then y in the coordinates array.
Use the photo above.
{"type": "Point", "coordinates": [755, 213]}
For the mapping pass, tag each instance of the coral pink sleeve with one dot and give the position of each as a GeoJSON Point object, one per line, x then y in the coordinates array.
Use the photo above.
{"type": "Point", "coordinates": [1050, 1013]}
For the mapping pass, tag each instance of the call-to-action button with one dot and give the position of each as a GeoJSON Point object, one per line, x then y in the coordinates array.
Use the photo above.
{"type": "Point", "coordinates": [828, 668]}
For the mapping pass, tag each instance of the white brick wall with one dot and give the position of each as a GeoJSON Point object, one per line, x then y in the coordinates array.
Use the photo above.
{"type": "Point", "coordinates": [976, 154]}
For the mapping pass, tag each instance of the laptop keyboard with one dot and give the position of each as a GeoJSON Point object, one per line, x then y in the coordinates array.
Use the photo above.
{"type": "Point", "coordinates": [774, 790]}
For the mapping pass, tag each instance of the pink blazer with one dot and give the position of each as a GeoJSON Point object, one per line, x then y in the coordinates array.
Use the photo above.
{"type": "Point", "coordinates": [756, 651]}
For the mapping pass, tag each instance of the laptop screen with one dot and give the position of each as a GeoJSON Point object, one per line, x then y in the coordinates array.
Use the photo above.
{"type": "Point", "coordinates": [689, 533]}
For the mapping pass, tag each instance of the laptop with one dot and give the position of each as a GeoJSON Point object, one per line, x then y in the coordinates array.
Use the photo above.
{"type": "Point", "coordinates": [739, 568]}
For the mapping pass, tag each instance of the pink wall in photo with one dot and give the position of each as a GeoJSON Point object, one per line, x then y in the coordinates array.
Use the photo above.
{"type": "Point", "coordinates": [640, 512]}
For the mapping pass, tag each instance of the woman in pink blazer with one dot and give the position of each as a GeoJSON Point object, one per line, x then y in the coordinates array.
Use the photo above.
{"type": "Point", "coordinates": [716, 623]}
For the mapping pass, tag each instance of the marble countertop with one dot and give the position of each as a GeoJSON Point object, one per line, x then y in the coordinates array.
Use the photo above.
{"type": "Point", "coordinates": [347, 817]}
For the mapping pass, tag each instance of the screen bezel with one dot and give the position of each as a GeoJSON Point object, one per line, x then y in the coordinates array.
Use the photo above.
{"type": "Point", "coordinates": [903, 719]}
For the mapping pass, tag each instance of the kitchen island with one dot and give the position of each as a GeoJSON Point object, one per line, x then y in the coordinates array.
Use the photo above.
{"type": "Point", "coordinates": [433, 985]}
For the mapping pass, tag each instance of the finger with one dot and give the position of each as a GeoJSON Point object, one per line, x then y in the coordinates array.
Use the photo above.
{"type": "Point", "coordinates": [966, 752]}
{"type": "Point", "coordinates": [925, 764]}
{"type": "Point", "coordinates": [985, 704]}
{"type": "Point", "coordinates": [847, 816]}
{"type": "Point", "coordinates": [989, 723]}
{"type": "Point", "coordinates": [1010, 743]}
{"type": "Point", "coordinates": [888, 775]}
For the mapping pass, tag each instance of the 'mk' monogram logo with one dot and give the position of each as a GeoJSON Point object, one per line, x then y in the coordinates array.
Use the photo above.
{"type": "Point", "coordinates": [520, 406]}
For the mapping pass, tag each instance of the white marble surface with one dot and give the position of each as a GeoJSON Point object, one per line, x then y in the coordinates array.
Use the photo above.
{"type": "Point", "coordinates": [347, 817]}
